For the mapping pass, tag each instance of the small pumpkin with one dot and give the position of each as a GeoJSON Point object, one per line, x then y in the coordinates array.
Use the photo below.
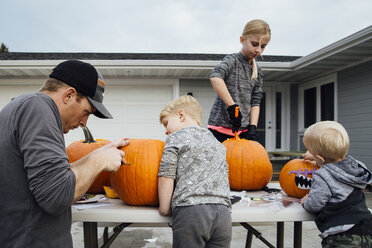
{"type": "Point", "coordinates": [110, 192]}
{"type": "Point", "coordinates": [249, 165]}
{"type": "Point", "coordinates": [78, 149]}
{"type": "Point", "coordinates": [296, 177]}
{"type": "Point", "coordinates": [137, 182]}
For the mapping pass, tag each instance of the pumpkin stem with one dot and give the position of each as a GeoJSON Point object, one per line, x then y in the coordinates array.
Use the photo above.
{"type": "Point", "coordinates": [88, 136]}
{"type": "Point", "coordinates": [236, 136]}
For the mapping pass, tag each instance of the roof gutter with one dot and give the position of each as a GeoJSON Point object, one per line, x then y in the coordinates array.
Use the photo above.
{"type": "Point", "coordinates": [352, 40]}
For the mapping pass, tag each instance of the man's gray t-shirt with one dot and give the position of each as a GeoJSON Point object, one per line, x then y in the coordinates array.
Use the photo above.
{"type": "Point", "coordinates": [196, 160]}
{"type": "Point", "coordinates": [236, 71]}
{"type": "Point", "coordinates": [36, 183]}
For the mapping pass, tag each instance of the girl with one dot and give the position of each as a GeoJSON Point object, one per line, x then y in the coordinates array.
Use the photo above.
{"type": "Point", "coordinates": [238, 82]}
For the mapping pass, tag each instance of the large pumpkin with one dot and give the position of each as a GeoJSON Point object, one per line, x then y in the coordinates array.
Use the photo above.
{"type": "Point", "coordinates": [249, 165]}
{"type": "Point", "coordinates": [296, 176]}
{"type": "Point", "coordinates": [137, 182]}
{"type": "Point", "coordinates": [78, 149]}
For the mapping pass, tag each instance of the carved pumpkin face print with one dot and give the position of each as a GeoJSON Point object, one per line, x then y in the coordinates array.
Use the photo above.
{"type": "Point", "coordinates": [303, 179]}
{"type": "Point", "coordinates": [296, 177]}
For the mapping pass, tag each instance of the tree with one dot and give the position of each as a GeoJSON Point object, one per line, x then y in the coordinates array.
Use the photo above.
{"type": "Point", "coordinates": [4, 48]}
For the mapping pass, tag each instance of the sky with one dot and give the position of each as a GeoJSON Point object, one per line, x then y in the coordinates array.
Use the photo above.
{"type": "Point", "coordinates": [298, 27]}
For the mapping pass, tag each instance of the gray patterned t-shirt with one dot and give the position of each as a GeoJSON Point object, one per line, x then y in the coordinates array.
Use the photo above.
{"type": "Point", "coordinates": [196, 160]}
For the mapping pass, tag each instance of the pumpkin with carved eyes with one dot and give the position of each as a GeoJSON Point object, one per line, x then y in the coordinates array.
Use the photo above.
{"type": "Point", "coordinates": [296, 176]}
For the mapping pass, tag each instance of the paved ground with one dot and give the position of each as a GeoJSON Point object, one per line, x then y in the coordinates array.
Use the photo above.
{"type": "Point", "coordinates": [161, 237]}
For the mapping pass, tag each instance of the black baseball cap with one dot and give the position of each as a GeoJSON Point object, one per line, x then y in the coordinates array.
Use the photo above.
{"type": "Point", "coordinates": [87, 80]}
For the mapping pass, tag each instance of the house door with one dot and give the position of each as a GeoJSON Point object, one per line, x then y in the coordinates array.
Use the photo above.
{"type": "Point", "coordinates": [265, 127]}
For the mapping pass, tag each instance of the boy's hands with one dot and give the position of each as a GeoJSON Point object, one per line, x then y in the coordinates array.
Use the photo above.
{"type": "Point", "coordinates": [235, 121]}
{"type": "Point", "coordinates": [165, 192]}
{"type": "Point", "coordinates": [308, 157]}
{"type": "Point", "coordinates": [303, 199]}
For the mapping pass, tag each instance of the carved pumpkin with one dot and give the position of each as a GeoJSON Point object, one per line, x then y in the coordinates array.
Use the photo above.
{"type": "Point", "coordinates": [137, 182]}
{"type": "Point", "coordinates": [249, 165]}
{"type": "Point", "coordinates": [78, 149]}
{"type": "Point", "coordinates": [296, 176]}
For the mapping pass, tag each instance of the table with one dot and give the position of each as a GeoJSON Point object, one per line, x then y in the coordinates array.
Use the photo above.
{"type": "Point", "coordinates": [245, 213]}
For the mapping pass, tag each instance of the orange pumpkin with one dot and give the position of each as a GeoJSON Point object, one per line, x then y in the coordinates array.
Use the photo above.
{"type": "Point", "coordinates": [296, 176]}
{"type": "Point", "coordinates": [78, 149]}
{"type": "Point", "coordinates": [137, 182]}
{"type": "Point", "coordinates": [249, 165]}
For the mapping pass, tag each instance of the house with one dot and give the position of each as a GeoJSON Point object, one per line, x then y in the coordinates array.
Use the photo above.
{"type": "Point", "coordinates": [333, 83]}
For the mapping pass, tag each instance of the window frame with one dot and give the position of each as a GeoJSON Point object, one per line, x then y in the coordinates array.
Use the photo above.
{"type": "Point", "coordinates": [271, 88]}
{"type": "Point", "coordinates": [284, 89]}
{"type": "Point", "coordinates": [317, 83]}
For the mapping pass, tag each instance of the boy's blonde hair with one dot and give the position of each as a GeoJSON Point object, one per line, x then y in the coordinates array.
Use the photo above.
{"type": "Point", "coordinates": [188, 103]}
{"type": "Point", "coordinates": [256, 27]}
{"type": "Point", "coordinates": [328, 139]}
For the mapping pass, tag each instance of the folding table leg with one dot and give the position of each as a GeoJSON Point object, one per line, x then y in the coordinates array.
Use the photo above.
{"type": "Point", "coordinates": [280, 235]}
{"type": "Point", "coordinates": [256, 233]}
{"type": "Point", "coordinates": [105, 235]}
{"type": "Point", "coordinates": [248, 241]}
{"type": "Point", "coordinates": [117, 231]}
{"type": "Point", "coordinates": [90, 234]}
{"type": "Point", "coordinates": [297, 234]}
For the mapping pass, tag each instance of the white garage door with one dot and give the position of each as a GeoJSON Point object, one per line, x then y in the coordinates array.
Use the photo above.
{"type": "Point", "coordinates": [135, 106]}
{"type": "Point", "coordinates": [7, 92]}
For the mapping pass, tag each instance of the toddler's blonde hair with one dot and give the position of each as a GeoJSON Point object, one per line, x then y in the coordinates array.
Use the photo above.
{"type": "Point", "coordinates": [256, 27]}
{"type": "Point", "coordinates": [188, 104]}
{"type": "Point", "coordinates": [328, 139]}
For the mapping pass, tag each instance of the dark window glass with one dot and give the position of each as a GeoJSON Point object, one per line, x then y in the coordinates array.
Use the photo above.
{"type": "Point", "coordinates": [302, 146]}
{"type": "Point", "coordinates": [327, 101]}
{"type": "Point", "coordinates": [309, 107]}
{"type": "Point", "coordinates": [261, 125]}
{"type": "Point", "coordinates": [278, 120]}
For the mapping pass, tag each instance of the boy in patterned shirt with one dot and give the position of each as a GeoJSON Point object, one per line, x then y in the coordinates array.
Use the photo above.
{"type": "Point", "coordinates": [193, 178]}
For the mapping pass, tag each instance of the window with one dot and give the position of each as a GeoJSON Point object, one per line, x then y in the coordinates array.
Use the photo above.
{"type": "Point", "coordinates": [261, 125]}
{"type": "Point", "coordinates": [310, 106]}
{"type": "Point", "coordinates": [317, 102]}
{"type": "Point", "coordinates": [327, 103]}
{"type": "Point", "coordinates": [278, 119]}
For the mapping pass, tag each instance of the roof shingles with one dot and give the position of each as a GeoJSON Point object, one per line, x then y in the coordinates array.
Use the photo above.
{"type": "Point", "coordinates": [132, 56]}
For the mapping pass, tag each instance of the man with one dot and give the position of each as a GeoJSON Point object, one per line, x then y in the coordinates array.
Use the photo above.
{"type": "Point", "coordinates": [37, 184]}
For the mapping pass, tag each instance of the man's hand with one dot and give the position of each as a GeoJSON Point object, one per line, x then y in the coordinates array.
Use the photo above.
{"type": "Point", "coordinates": [235, 117]}
{"type": "Point", "coordinates": [110, 156]}
{"type": "Point", "coordinates": [252, 133]}
{"type": "Point", "coordinates": [86, 169]}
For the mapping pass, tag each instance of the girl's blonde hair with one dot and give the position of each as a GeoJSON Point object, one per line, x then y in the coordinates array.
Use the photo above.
{"type": "Point", "coordinates": [256, 27]}
{"type": "Point", "coordinates": [328, 139]}
{"type": "Point", "coordinates": [187, 103]}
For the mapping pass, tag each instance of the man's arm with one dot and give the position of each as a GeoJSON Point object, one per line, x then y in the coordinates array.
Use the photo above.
{"type": "Point", "coordinates": [165, 192]}
{"type": "Point", "coordinates": [106, 158]}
